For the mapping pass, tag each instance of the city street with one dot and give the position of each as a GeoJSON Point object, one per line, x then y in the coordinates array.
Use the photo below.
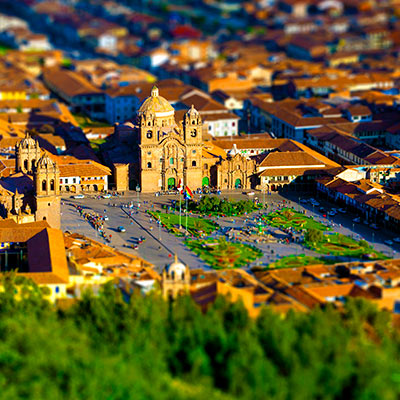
{"type": "Point", "coordinates": [159, 246]}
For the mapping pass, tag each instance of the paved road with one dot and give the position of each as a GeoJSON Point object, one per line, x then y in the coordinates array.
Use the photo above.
{"type": "Point", "coordinates": [160, 246]}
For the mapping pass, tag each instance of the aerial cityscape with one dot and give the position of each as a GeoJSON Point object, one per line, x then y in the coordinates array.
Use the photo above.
{"type": "Point", "coordinates": [200, 199]}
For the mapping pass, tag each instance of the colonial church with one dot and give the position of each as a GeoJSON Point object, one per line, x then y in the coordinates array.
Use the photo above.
{"type": "Point", "coordinates": [32, 193]}
{"type": "Point", "coordinates": [169, 154]}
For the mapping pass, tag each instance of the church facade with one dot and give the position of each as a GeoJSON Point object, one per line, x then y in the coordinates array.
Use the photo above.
{"type": "Point", "coordinates": [32, 193]}
{"type": "Point", "coordinates": [170, 155]}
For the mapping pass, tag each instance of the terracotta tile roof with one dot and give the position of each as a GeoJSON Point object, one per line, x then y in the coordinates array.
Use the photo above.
{"type": "Point", "coordinates": [287, 158]}
{"type": "Point", "coordinates": [291, 171]}
{"type": "Point", "coordinates": [68, 82]}
{"type": "Point", "coordinates": [249, 142]}
{"type": "Point", "coordinates": [51, 257]}
{"type": "Point", "coordinates": [219, 116]}
{"type": "Point", "coordinates": [11, 232]}
{"type": "Point", "coordinates": [71, 166]}
{"type": "Point", "coordinates": [323, 292]}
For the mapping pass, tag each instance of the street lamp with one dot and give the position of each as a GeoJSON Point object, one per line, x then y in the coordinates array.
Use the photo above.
{"type": "Point", "coordinates": [138, 191]}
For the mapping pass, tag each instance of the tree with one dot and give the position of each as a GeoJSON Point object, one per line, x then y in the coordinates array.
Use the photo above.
{"type": "Point", "coordinates": [314, 236]}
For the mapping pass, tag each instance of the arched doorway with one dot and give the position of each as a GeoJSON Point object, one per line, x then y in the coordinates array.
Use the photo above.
{"type": "Point", "coordinates": [206, 181]}
{"type": "Point", "coordinates": [273, 188]}
{"type": "Point", "coordinates": [171, 183]}
{"type": "Point", "coordinates": [73, 189]}
{"type": "Point", "coordinates": [238, 183]}
{"type": "Point", "coordinates": [95, 188]}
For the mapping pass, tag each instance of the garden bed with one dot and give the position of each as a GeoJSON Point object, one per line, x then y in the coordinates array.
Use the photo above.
{"type": "Point", "coordinates": [195, 226]}
{"type": "Point", "coordinates": [220, 254]}
{"type": "Point", "coordinates": [290, 218]}
{"type": "Point", "coordinates": [343, 246]}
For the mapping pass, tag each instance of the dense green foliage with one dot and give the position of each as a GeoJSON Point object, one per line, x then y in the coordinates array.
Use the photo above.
{"type": "Point", "coordinates": [217, 206]}
{"type": "Point", "coordinates": [104, 348]}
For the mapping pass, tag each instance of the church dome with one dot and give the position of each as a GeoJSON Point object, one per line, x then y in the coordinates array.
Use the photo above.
{"type": "Point", "coordinates": [156, 105]}
{"type": "Point", "coordinates": [27, 141]}
{"type": "Point", "coordinates": [176, 268]}
{"type": "Point", "coordinates": [233, 151]}
{"type": "Point", "coordinates": [192, 112]}
{"type": "Point", "coordinates": [45, 161]}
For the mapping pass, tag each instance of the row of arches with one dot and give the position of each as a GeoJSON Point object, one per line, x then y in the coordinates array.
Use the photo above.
{"type": "Point", "coordinates": [44, 185]}
{"type": "Point", "coordinates": [83, 188]}
{"type": "Point", "coordinates": [26, 165]}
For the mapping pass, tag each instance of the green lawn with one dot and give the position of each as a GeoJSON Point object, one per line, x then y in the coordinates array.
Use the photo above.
{"type": "Point", "coordinates": [290, 218]}
{"type": "Point", "coordinates": [195, 225]}
{"type": "Point", "coordinates": [294, 261]}
{"type": "Point", "coordinates": [86, 122]}
{"type": "Point", "coordinates": [220, 254]}
{"type": "Point", "coordinates": [340, 245]}
{"type": "Point", "coordinates": [4, 48]}
{"type": "Point", "coordinates": [95, 144]}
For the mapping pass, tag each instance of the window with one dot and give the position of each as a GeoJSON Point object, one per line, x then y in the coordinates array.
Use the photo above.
{"type": "Point", "coordinates": [205, 166]}
{"type": "Point", "coordinates": [209, 127]}
{"type": "Point", "coordinates": [149, 165]}
{"type": "Point", "coordinates": [74, 180]}
{"type": "Point", "coordinates": [61, 181]}
{"type": "Point", "coordinates": [44, 185]}
{"type": "Point", "coordinates": [57, 289]}
{"type": "Point", "coordinates": [149, 153]}
{"type": "Point", "coordinates": [171, 160]}
{"type": "Point", "coordinates": [194, 151]}
{"type": "Point", "coordinates": [193, 133]}
{"type": "Point", "coordinates": [52, 186]}
{"type": "Point", "coordinates": [149, 134]}
{"type": "Point", "coordinates": [26, 164]}
{"type": "Point", "coordinates": [193, 163]}
{"type": "Point", "coordinates": [233, 123]}
{"type": "Point", "coordinates": [33, 164]}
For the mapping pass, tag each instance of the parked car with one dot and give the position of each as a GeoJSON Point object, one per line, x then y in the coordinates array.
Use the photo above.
{"type": "Point", "coordinates": [332, 213]}
{"type": "Point", "coordinates": [389, 242]}
{"type": "Point", "coordinates": [303, 201]}
{"type": "Point", "coordinates": [106, 196]}
{"type": "Point", "coordinates": [250, 194]}
{"type": "Point", "coordinates": [396, 239]}
{"type": "Point", "coordinates": [105, 218]}
{"type": "Point", "coordinates": [78, 196]}
{"type": "Point", "coordinates": [121, 229]}
{"type": "Point", "coordinates": [374, 226]}
{"type": "Point", "coordinates": [342, 210]}
{"type": "Point", "coordinates": [357, 220]}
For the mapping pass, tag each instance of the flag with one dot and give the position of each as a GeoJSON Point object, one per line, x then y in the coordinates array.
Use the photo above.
{"type": "Point", "coordinates": [188, 193]}
{"type": "Point", "coordinates": [180, 186]}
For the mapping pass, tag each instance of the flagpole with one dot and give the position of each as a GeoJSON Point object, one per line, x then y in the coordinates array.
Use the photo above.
{"type": "Point", "coordinates": [180, 208]}
{"type": "Point", "coordinates": [186, 211]}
